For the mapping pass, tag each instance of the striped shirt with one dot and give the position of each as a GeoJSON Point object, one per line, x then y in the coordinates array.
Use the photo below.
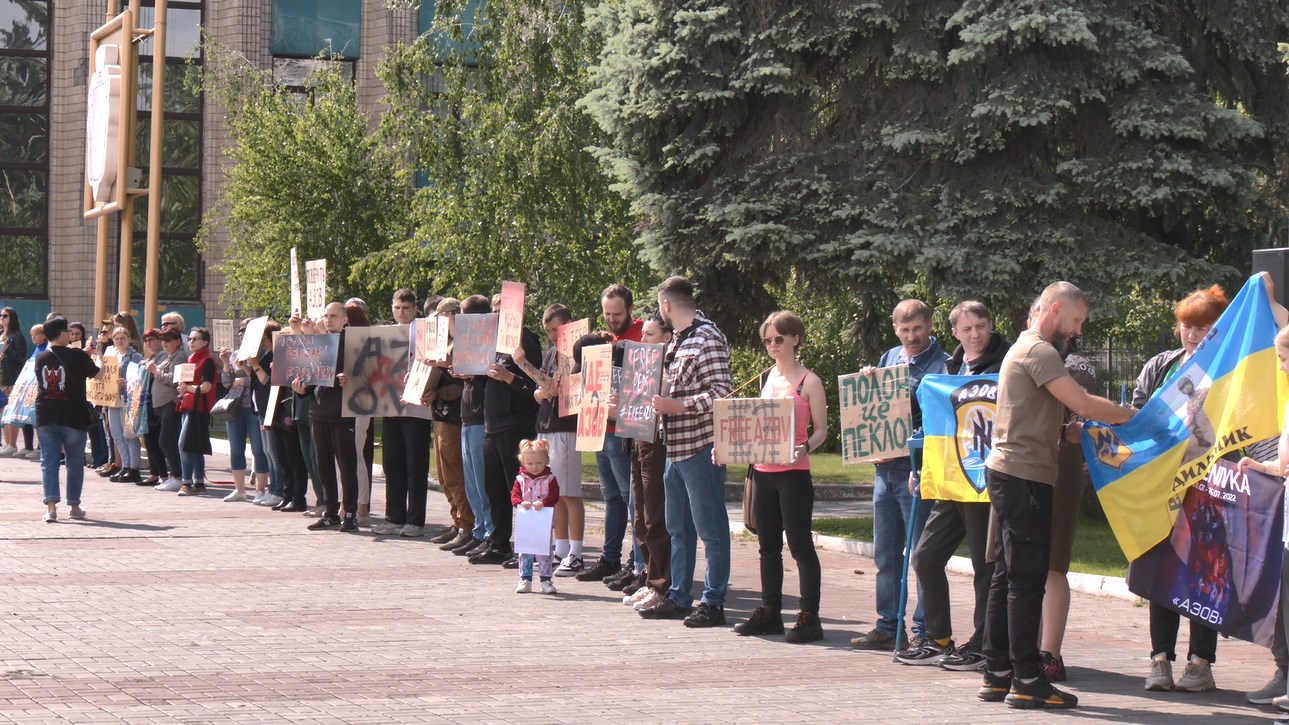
{"type": "Point", "coordinates": [698, 370]}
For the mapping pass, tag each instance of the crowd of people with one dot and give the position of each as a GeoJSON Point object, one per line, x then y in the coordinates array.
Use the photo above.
{"type": "Point", "coordinates": [500, 444]}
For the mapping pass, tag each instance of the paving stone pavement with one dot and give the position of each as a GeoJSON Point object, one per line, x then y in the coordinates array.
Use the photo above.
{"type": "Point", "coordinates": [166, 609]}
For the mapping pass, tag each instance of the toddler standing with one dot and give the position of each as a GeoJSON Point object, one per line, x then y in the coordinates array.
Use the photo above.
{"type": "Point", "coordinates": [535, 488]}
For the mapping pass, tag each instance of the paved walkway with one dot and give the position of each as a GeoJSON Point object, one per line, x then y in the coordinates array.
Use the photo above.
{"type": "Point", "coordinates": [166, 609]}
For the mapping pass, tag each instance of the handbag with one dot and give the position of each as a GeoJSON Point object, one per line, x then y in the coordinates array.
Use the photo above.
{"type": "Point", "coordinates": [228, 408]}
{"type": "Point", "coordinates": [749, 495]}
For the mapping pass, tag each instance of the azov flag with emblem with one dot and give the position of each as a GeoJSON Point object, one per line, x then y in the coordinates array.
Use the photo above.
{"type": "Point", "coordinates": [958, 432]}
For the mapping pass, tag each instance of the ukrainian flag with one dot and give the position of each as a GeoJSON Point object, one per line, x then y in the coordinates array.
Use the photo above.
{"type": "Point", "coordinates": [958, 432]}
{"type": "Point", "coordinates": [1227, 396]}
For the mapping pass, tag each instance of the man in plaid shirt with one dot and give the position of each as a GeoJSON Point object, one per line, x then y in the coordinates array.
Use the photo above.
{"type": "Point", "coordinates": [698, 371]}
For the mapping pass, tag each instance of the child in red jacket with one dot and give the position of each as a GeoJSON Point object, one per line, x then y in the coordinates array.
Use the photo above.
{"type": "Point", "coordinates": [535, 488]}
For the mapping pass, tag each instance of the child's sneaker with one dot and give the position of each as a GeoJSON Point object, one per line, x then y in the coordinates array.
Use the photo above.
{"type": "Point", "coordinates": [548, 587]}
{"type": "Point", "coordinates": [525, 586]}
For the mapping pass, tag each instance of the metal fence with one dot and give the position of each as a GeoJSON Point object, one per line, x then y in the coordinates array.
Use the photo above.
{"type": "Point", "coordinates": [1117, 366]}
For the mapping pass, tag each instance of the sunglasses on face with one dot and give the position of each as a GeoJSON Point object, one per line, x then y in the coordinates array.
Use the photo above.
{"type": "Point", "coordinates": [776, 340]}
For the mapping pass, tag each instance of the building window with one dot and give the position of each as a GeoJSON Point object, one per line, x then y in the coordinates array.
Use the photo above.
{"type": "Point", "coordinates": [447, 44]}
{"type": "Point", "coordinates": [179, 276]}
{"type": "Point", "coordinates": [309, 28]}
{"type": "Point", "coordinates": [24, 147]}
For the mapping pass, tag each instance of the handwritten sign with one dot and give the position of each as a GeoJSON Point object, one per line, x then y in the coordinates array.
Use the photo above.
{"type": "Point", "coordinates": [510, 316]}
{"type": "Point", "coordinates": [224, 333]}
{"type": "Point", "coordinates": [425, 336]}
{"type": "Point", "coordinates": [475, 345]}
{"type": "Point", "coordinates": [375, 367]}
{"type": "Point", "coordinates": [754, 430]}
{"type": "Point", "coordinates": [21, 409]}
{"type": "Point", "coordinates": [104, 389]}
{"type": "Point", "coordinates": [311, 358]}
{"type": "Point", "coordinates": [593, 415]}
{"type": "Point", "coordinates": [184, 373]}
{"type": "Point", "coordinates": [641, 380]}
{"type": "Point", "coordinates": [251, 340]}
{"type": "Point", "coordinates": [444, 338]}
{"type": "Point", "coordinates": [315, 287]}
{"type": "Point", "coordinates": [133, 406]}
{"type": "Point", "coordinates": [875, 412]}
{"type": "Point", "coordinates": [296, 305]}
{"type": "Point", "coordinates": [565, 338]}
{"type": "Point", "coordinates": [418, 379]}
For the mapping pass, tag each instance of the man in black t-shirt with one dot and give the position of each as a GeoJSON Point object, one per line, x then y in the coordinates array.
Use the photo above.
{"type": "Point", "coordinates": [62, 415]}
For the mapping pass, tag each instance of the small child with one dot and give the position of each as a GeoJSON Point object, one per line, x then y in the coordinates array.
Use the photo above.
{"type": "Point", "coordinates": [535, 487]}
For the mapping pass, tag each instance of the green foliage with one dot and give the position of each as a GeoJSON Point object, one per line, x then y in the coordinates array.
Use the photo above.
{"type": "Point", "coordinates": [305, 172]}
{"type": "Point", "coordinates": [967, 149]}
{"type": "Point", "coordinates": [512, 192]}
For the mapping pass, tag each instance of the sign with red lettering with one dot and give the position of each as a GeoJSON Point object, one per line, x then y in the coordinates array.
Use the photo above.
{"type": "Point", "coordinates": [375, 371]}
{"type": "Point", "coordinates": [593, 416]}
{"type": "Point", "coordinates": [875, 410]}
{"type": "Point", "coordinates": [311, 358]}
{"type": "Point", "coordinates": [754, 430]}
{"type": "Point", "coordinates": [565, 338]}
{"type": "Point", "coordinates": [475, 346]}
{"type": "Point", "coordinates": [641, 380]}
{"type": "Point", "coordinates": [510, 317]}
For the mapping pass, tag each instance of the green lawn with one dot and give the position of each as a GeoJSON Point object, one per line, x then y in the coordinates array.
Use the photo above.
{"type": "Point", "coordinates": [1095, 548]}
{"type": "Point", "coordinates": [824, 467]}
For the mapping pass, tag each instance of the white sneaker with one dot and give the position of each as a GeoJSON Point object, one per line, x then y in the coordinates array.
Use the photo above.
{"type": "Point", "coordinates": [235, 496]}
{"type": "Point", "coordinates": [525, 586]}
{"type": "Point", "coordinates": [258, 497]}
{"type": "Point", "coordinates": [31, 455]}
{"type": "Point", "coordinates": [636, 596]}
{"type": "Point", "coordinates": [548, 588]}
{"type": "Point", "coordinates": [386, 529]}
{"type": "Point", "coordinates": [1269, 692]}
{"type": "Point", "coordinates": [1281, 702]}
{"type": "Point", "coordinates": [269, 500]}
{"type": "Point", "coordinates": [411, 531]}
{"type": "Point", "coordinates": [1161, 674]}
{"type": "Point", "coordinates": [7, 451]}
{"type": "Point", "coordinates": [570, 566]}
{"type": "Point", "coordinates": [653, 597]}
{"type": "Point", "coordinates": [170, 484]}
{"type": "Point", "coordinates": [1197, 677]}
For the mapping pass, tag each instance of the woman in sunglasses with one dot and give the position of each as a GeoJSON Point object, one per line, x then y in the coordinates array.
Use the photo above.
{"type": "Point", "coordinates": [785, 494]}
{"type": "Point", "coordinates": [13, 355]}
{"type": "Point", "coordinates": [197, 397]}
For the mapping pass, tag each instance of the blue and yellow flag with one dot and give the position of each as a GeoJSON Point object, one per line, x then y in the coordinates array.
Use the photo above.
{"type": "Point", "coordinates": [958, 432]}
{"type": "Point", "coordinates": [1222, 399]}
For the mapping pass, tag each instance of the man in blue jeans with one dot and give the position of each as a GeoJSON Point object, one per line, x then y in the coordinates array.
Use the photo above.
{"type": "Point", "coordinates": [614, 461]}
{"type": "Point", "coordinates": [697, 371]}
{"type": "Point", "coordinates": [893, 499]}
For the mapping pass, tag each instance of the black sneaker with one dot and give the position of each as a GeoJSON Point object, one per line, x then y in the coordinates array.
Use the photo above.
{"type": "Point", "coordinates": [763, 621]}
{"type": "Point", "coordinates": [636, 583]}
{"type": "Point", "coordinates": [511, 563]}
{"type": "Point", "coordinates": [349, 524]}
{"type": "Point", "coordinates": [479, 548]}
{"type": "Point", "coordinates": [1039, 694]}
{"type": "Point", "coordinates": [995, 687]}
{"type": "Point", "coordinates": [666, 609]}
{"type": "Point", "coordinates": [199, 487]}
{"type": "Point", "coordinates": [966, 658]}
{"type": "Point", "coordinates": [324, 523]}
{"type": "Point", "coordinates": [928, 653]}
{"type": "Point", "coordinates": [1053, 667]}
{"type": "Point", "coordinates": [131, 476]}
{"type": "Point", "coordinates": [621, 580]}
{"type": "Point", "coordinates": [120, 474]}
{"type": "Point", "coordinates": [807, 629]}
{"type": "Point", "coordinates": [706, 615]}
{"type": "Point", "coordinates": [491, 556]}
{"type": "Point", "coordinates": [603, 568]}
{"type": "Point", "coordinates": [467, 546]}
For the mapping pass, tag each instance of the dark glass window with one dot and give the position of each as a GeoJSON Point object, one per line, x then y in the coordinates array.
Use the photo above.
{"type": "Point", "coordinates": [24, 147]}
{"type": "Point", "coordinates": [306, 28]}
{"type": "Point", "coordinates": [469, 21]}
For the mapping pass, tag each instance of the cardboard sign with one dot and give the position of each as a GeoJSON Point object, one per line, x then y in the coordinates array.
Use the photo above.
{"type": "Point", "coordinates": [270, 408]}
{"type": "Point", "coordinates": [441, 342]}
{"type": "Point", "coordinates": [251, 340]}
{"type": "Point", "coordinates": [375, 368]}
{"type": "Point", "coordinates": [593, 415]}
{"type": "Point", "coordinates": [510, 317]}
{"type": "Point", "coordinates": [21, 409]}
{"type": "Point", "coordinates": [104, 389]}
{"type": "Point", "coordinates": [567, 336]}
{"type": "Point", "coordinates": [224, 335]}
{"type": "Point", "coordinates": [754, 430]}
{"type": "Point", "coordinates": [418, 379]}
{"type": "Point", "coordinates": [425, 337]}
{"type": "Point", "coordinates": [311, 358]}
{"type": "Point", "coordinates": [315, 288]}
{"type": "Point", "coordinates": [641, 380]}
{"type": "Point", "coordinates": [296, 305]}
{"type": "Point", "coordinates": [475, 346]}
{"type": "Point", "coordinates": [875, 408]}
{"type": "Point", "coordinates": [133, 406]}
{"type": "Point", "coordinates": [184, 373]}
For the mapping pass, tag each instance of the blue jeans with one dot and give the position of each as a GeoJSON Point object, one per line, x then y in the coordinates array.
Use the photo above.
{"type": "Point", "coordinates": [615, 483]}
{"type": "Point", "coordinates": [193, 464]}
{"type": "Point", "coordinates": [126, 445]}
{"type": "Point", "coordinates": [57, 441]}
{"type": "Point", "coordinates": [695, 508]}
{"type": "Point", "coordinates": [472, 462]}
{"type": "Point", "coordinates": [277, 477]}
{"type": "Point", "coordinates": [239, 429]}
{"type": "Point", "coordinates": [892, 505]}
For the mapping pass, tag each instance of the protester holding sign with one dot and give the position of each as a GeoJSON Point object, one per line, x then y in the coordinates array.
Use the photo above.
{"type": "Point", "coordinates": [364, 431]}
{"type": "Point", "coordinates": [472, 426]}
{"type": "Point", "coordinates": [288, 475]}
{"type": "Point", "coordinates": [157, 468]}
{"type": "Point", "coordinates": [333, 436]}
{"type": "Point", "coordinates": [449, 460]}
{"type": "Point", "coordinates": [62, 417]}
{"type": "Point", "coordinates": [698, 368]}
{"type": "Point", "coordinates": [1034, 388]}
{"type": "Point", "coordinates": [164, 401]}
{"type": "Point", "coordinates": [13, 354]}
{"type": "Point", "coordinates": [1195, 315]}
{"type": "Point", "coordinates": [785, 493]}
{"type": "Point", "coordinates": [980, 351]}
{"type": "Point", "coordinates": [197, 398]}
{"type": "Point", "coordinates": [894, 503]}
{"type": "Point", "coordinates": [127, 444]}
{"type": "Point", "coordinates": [236, 378]}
